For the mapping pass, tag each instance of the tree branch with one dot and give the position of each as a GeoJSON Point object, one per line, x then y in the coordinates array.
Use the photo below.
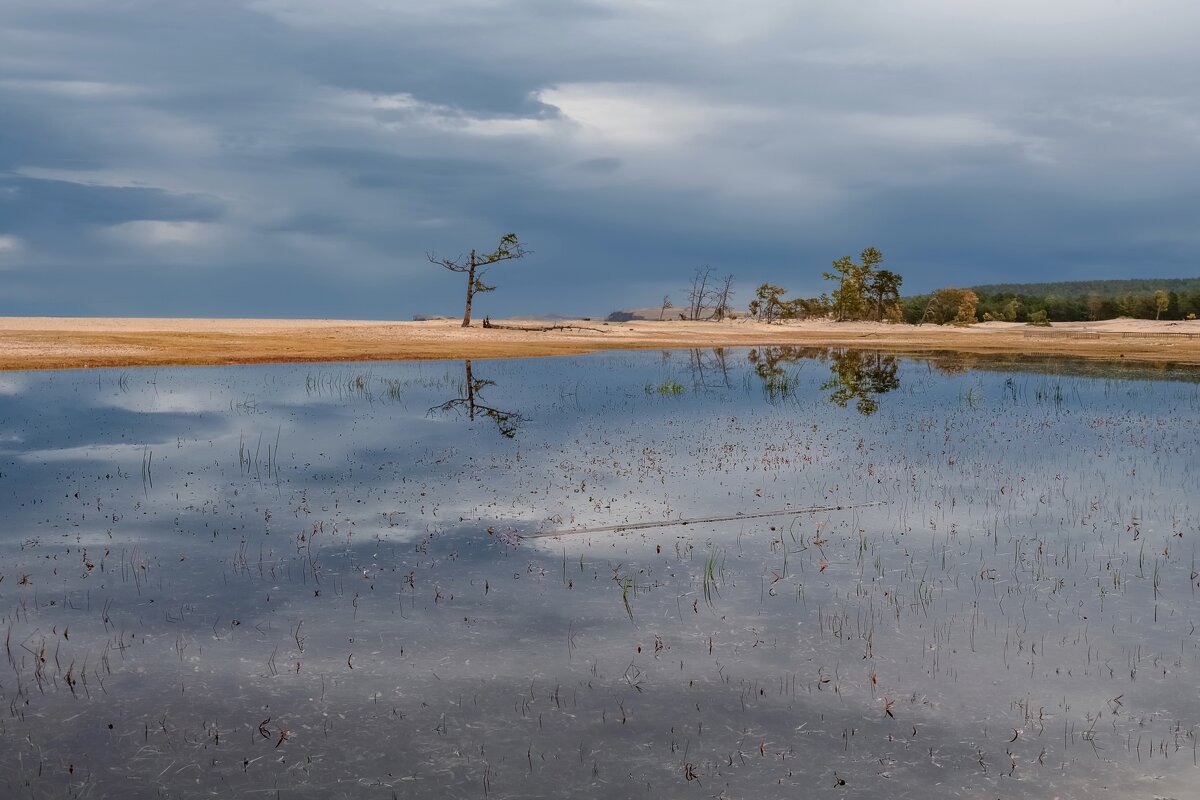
{"type": "Point", "coordinates": [450, 264]}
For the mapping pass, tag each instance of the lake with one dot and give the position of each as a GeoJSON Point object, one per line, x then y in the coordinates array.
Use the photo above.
{"type": "Point", "coordinates": [719, 573]}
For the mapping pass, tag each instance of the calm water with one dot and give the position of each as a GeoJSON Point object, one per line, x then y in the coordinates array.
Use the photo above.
{"type": "Point", "coordinates": [327, 581]}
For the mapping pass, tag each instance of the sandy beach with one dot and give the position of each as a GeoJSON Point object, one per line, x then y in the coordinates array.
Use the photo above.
{"type": "Point", "coordinates": [70, 343]}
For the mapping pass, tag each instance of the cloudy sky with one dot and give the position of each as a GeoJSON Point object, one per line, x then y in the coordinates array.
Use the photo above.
{"type": "Point", "coordinates": [300, 157]}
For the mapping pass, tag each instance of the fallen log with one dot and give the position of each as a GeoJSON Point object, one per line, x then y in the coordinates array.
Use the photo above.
{"type": "Point", "coordinates": [637, 526]}
{"type": "Point", "coordinates": [540, 328]}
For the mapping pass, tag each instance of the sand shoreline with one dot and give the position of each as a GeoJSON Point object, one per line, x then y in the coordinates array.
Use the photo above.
{"type": "Point", "coordinates": [36, 343]}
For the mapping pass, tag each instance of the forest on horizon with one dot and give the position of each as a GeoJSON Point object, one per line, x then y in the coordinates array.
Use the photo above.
{"type": "Point", "coordinates": [1074, 301]}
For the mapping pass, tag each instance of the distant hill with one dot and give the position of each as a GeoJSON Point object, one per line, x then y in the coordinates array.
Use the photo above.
{"type": "Point", "coordinates": [631, 314]}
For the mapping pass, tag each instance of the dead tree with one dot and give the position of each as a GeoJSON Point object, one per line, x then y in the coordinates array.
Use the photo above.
{"type": "Point", "coordinates": [475, 266]}
{"type": "Point", "coordinates": [708, 297]}
{"type": "Point", "coordinates": [699, 293]}
{"type": "Point", "coordinates": [723, 299]}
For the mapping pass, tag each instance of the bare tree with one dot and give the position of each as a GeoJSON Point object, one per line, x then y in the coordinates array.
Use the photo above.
{"type": "Point", "coordinates": [699, 293]}
{"type": "Point", "coordinates": [723, 299]}
{"type": "Point", "coordinates": [666, 303]}
{"type": "Point", "coordinates": [708, 297]}
{"type": "Point", "coordinates": [475, 266]}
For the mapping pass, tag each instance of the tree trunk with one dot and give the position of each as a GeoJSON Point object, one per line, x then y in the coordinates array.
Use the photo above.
{"type": "Point", "coordinates": [470, 389]}
{"type": "Point", "coordinates": [470, 291]}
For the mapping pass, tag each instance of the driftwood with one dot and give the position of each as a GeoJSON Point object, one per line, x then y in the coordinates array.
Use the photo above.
{"type": "Point", "coordinates": [487, 323]}
{"type": "Point", "coordinates": [636, 526]}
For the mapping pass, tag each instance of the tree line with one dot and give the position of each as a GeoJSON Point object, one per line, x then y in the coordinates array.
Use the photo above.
{"type": "Point", "coordinates": [866, 291]}
{"type": "Point", "coordinates": [1091, 301]}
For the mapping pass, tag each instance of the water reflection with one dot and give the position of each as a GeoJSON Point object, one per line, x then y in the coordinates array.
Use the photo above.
{"type": "Point", "coordinates": [777, 368]}
{"type": "Point", "coordinates": [954, 363]}
{"type": "Point", "coordinates": [856, 376]}
{"type": "Point", "coordinates": [710, 368]}
{"type": "Point", "coordinates": [977, 612]}
{"type": "Point", "coordinates": [507, 422]}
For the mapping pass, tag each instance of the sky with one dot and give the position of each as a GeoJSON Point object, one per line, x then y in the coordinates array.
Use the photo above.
{"type": "Point", "coordinates": [301, 158]}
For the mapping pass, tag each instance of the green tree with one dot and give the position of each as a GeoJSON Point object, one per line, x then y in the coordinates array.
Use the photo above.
{"type": "Point", "coordinates": [1162, 301]}
{"type": "Point", "coordinates": [476, 266]}
{"type": "Point", "coordinates": [968, 301]}
{"type": "Point", "coordinates": [850, 299]}
{"type": "Point", "coordinates": [951, 305]}
{"type": "Point", "coordinates": [768, 304]}
{"type": "Point", "coordinates": [803, 308]}
{"type": "Point", "coordinates": [1189, 304]}
{"type": "Point", "coordinates": [884, 286]}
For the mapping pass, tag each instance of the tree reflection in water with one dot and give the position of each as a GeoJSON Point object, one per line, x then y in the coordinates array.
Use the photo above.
{"type": "Point", "coordinates": [710, 370]}
{"type": "Point", "coordinates": [856, 376]}
{"type": "Point", "coordinates": [859, 376]}
{"type": "Point", "coordinates": [774, 366]}
{"type": "Point", "coordinates": [507, 422]}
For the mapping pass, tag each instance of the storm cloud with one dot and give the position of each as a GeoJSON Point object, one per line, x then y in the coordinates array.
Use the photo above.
{"type": "Point", "coordinates": [300, 157]}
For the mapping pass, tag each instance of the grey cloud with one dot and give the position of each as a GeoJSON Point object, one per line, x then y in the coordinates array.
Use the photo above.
{"type": "Point", "coordinates": [601, 164]}
{"type": "Point", "coordinates": [376, 168]}
{"type": "Point", "coordinates": [28, 136]}
{"type": "Point", "coordinates": [332, 145]}
{"type": "Point", "coordinates": [40, 203]}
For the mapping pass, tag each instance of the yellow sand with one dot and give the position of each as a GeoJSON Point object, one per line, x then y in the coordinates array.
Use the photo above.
{"type": "Point", "coordinates": [57, 343]}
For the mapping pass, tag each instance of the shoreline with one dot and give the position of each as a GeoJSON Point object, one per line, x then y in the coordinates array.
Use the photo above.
{"type": "Point", "coordinates": [49, 343]}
